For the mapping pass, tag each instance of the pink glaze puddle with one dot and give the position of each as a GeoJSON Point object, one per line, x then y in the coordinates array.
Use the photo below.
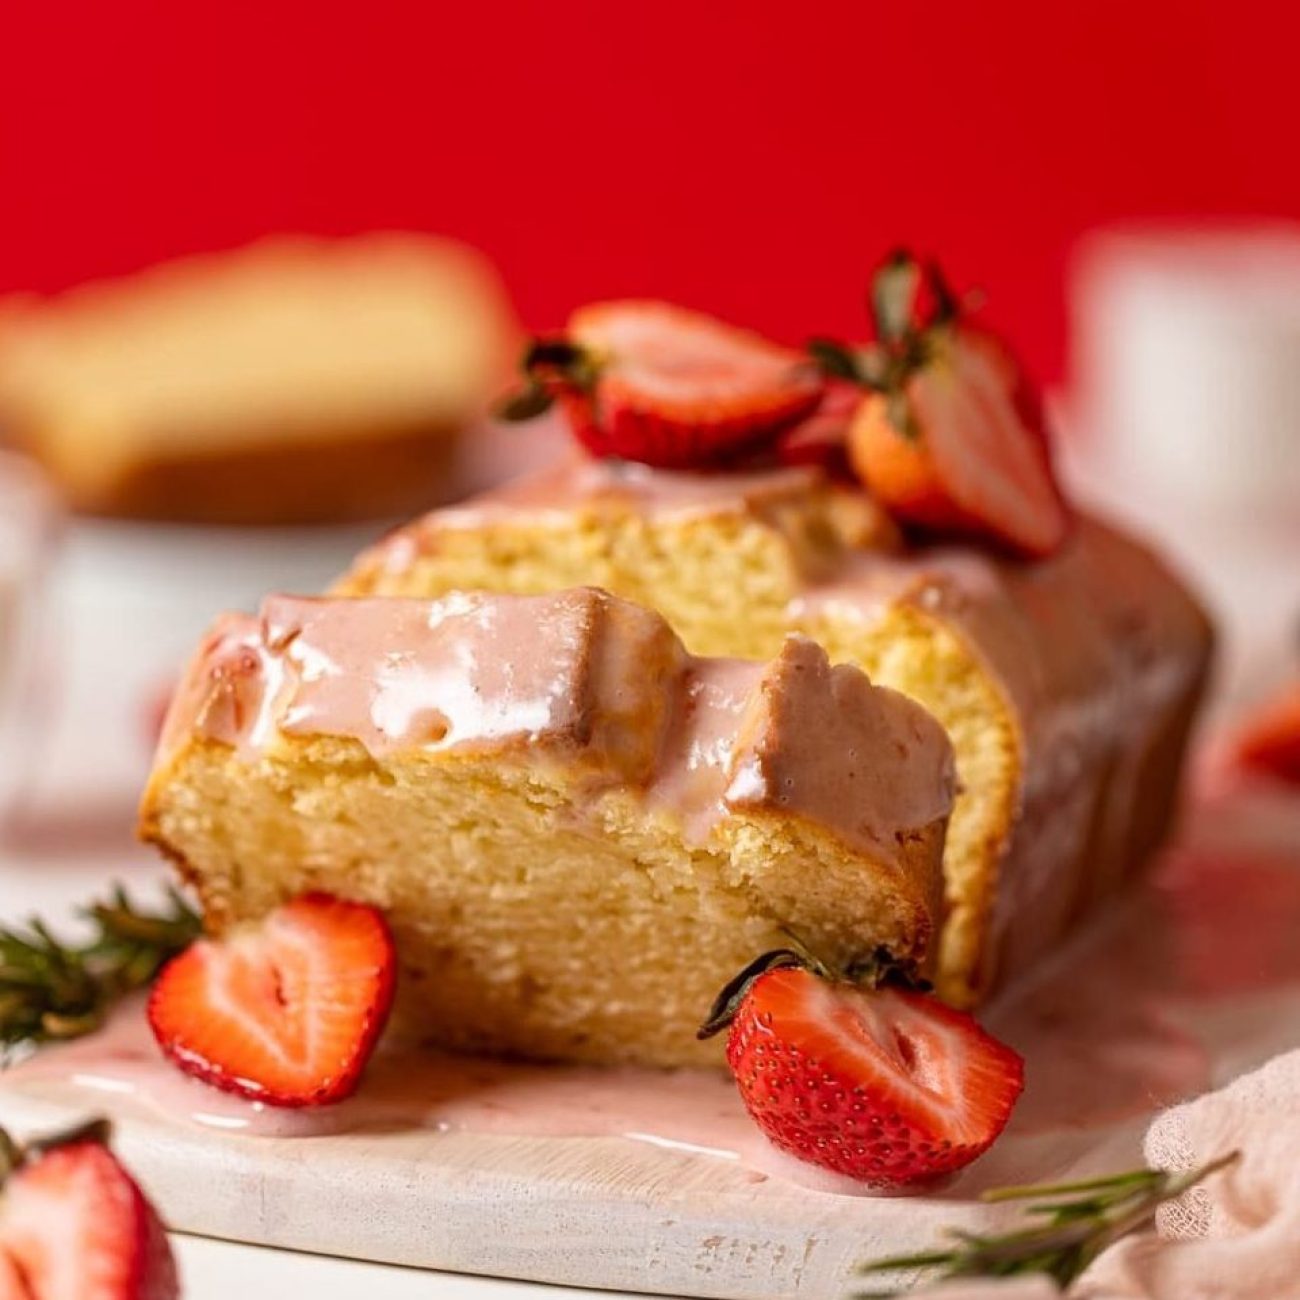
{"type": "Point", "coordinates": [695, 1112]}
{"type": "Point", "coordinates": [1121, 1023]}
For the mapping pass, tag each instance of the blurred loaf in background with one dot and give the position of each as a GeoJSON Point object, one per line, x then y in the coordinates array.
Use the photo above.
{"type": "Point", "coordinates": [295, 380]}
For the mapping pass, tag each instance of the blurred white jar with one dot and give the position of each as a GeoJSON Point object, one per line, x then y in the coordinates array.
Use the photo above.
{"type": "Point", "coordinates": [1187, 365]}
{"type": "Point", "coordinates": [28, 517]}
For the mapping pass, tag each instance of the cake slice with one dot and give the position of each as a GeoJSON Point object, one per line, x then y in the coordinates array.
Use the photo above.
{"type": "Point", "coordinates": [1067, 685]}
{"type": "Point", "coordinates": [295, 380]}
{"type": "Point", "coordinates": [578, 831]}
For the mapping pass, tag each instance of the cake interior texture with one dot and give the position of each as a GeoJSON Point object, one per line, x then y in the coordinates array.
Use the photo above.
{"type": "Point", "coordinates": [578, 831]}
{"type": "Point", "coordinates": [1067, 685]}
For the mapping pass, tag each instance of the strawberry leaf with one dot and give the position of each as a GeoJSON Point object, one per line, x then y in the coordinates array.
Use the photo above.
{"type": "Point", "coordinates": [876, 968]}
{"type": "Point", "coordinates": [835, 360]}
{"type": "Point", "coordinates": [727, 1003]}
{"type": "Point", "coordinates": [893, 297]}
{"type": "Point", "coordinates": [526, 403]}
{"type": "Point", "coordinates": [549, 365]}
{"type": "Point", "coordinates": [552, 354]}
{"type": "Point", "coordinates": [899, 410]}
{"type": "Point", "coordinates": [881, 967]}
{"type": "Point", "coordinates": [946, 306]}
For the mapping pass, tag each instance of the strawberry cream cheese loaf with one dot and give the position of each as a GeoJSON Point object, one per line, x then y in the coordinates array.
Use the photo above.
{"type": "Point", "coordinates": [1063, 658]}
{"type": "Point", "coordinates": [798, 689]}
{"type": "Point", "coordinates": [577, 831]}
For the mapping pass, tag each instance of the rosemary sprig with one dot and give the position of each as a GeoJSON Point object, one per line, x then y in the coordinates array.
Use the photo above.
{"type": "Point", "coordinates": [51, 991]}
{"type": "Point", "coordinates": [1079, 1221]}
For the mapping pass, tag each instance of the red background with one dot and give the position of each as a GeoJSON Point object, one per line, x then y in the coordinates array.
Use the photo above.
{"type": "Point", "coordinates": [749, 157]}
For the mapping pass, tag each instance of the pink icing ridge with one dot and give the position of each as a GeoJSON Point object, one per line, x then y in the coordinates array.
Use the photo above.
{"type": "Point", "coordinates": [592, 681]}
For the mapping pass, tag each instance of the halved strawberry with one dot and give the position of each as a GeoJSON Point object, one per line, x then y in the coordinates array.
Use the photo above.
{"type": "Point", "coordinates": [886, 1085]}
{"type": "Point", "coordinates": [75, 1226]}
{"type": "Point", "coordinates": [822, 438]}
{"type": "Point", "coordinates": [1269, 740]}
{"type": "Point", "coordinates": [651, 382]}
{"type": "Point", "coordinates": [286, 1010]}
{"type": "Point", "coordinates": [951, 436]}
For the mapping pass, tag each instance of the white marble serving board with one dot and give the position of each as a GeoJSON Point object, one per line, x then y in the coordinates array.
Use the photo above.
{"type": "Point", "coordinates": [601, 1212]}
{"type": "Point", "coordinates": [1194, 981]}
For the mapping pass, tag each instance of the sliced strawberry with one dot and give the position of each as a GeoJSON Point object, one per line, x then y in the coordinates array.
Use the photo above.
{"type": "Point", "coordinates": [952, 437]}
{"type": "Point", "coordinates": [654, 383]}
{"type": "Point", "coordinates": [1269, 741]}
{"type": "Point", "coordinates": [885, 1085]}
{"type": "Point", "coordinates": [286, 1010]}
{"type": "Point", "coordinates": [970, 464]}
{"type": "Point", "coordinates": [75, 1226]}
{"type": "Point", "coordinates": [822, 438]}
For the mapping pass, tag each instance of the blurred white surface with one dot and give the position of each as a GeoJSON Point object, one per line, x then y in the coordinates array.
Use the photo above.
{"type": "Point", "coordinates": [1184, 420]}
{"type": "Point", "coordinates": [29, 520]}
{"type": "Point", "coordinates": [127, 606]}
{"type": "Point", "coordinates": [1187, 364]}
{"type": "Point", "coordinates": [1244, 565]}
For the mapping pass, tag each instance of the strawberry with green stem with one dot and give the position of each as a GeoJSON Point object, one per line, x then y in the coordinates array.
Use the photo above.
{"type": "Point", "coordinates": [650, 382]}
{"type": "Point", "coordinates": [949, 437]}
{"type": "Point", "coordinates": [74, 1224]}
{"type": "Point", "coordinates": [862, 1072]}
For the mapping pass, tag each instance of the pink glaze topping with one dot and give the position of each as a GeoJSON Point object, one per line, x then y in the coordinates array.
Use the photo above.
{"type": "Point", "coordinates": [582, 483]}
{"type": "Point", "coordinates": [581, 486]}
{"type": "Point", "coordinates": [588, 680]}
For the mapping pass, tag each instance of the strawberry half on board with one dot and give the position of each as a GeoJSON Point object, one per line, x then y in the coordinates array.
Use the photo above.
{"type": "Point", "coordinates": [285, 1010]}
{"type": "Point", "coordinates": [883, 1084]}
{"type": "Point", "coordinates": [75, 1226]}
{"type": "Point", "coordinates": [650, 382]}
{"type": "Point", "coordinates": [950, 436]}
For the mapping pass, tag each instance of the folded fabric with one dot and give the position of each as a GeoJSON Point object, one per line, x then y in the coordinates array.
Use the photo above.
{"type": "Point", "coordinates": [1238, 1234]}
{"type": "Point", "coordinates": [1234, 1237]}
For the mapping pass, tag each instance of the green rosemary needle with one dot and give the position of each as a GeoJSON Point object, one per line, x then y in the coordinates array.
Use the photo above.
{"type": "Point", "coordinates": [51, 991]}
{"type": "Point", "coordinates": [1073, 1223]}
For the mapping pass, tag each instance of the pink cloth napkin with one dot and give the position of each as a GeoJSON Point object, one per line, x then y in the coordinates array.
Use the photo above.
{"type": "Point", "coordinates": [1235, 1237]}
